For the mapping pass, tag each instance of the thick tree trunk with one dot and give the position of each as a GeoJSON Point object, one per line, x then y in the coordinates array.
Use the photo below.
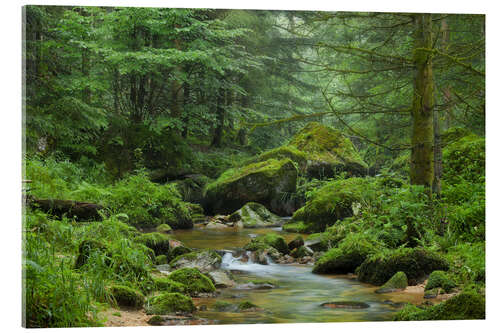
{"type": "Point", "coordinates": [422, 157]}
{"type": "Point", "coordinates": [81, 211]}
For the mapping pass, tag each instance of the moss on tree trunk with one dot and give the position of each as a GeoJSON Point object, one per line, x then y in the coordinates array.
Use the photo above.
{"type": "Point", "coordinates": [422, 167]}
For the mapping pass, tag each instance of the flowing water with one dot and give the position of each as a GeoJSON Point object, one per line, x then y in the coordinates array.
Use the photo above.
{"type": "Point", "coordinates": [299, 294]}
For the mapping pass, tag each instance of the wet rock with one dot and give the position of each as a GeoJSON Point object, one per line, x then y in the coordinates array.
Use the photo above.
{"type": "Point", "coordinates": [253, 286]}
{"type": "Point", "coordinates": [216, 225]}
{"type": "Point", "coordinates": [205, 260]}
{"type": "Point", "coordinates": [345, 305]}
{"type": "Point", "coordinates": [221, 279]}
{"type": "Point", "coordinates": [255, 215]}
{"type": "Point", "coordinates": [296, 243]}
{"type": "Point", "coordinates": [397, 282]}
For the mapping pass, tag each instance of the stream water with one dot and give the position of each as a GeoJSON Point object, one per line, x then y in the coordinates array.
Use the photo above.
{"type": "Point", "coordinates": [299, 294]}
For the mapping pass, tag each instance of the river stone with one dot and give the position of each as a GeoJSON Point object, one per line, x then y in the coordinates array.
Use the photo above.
{"type": "Point", "coordinates": [216, 225]}
{"type": "Point", "coordinates": [296, 243]}
{"type": "Point", "coordinates": [221, 279]}
{"type": "Point", "coordinates": [205, 260]}
{"type": "Point", "coordinates": [397, 282]}
{"type": "Point", "coordinates": [255, 215]}
{"type": "Point", "coordinates": [263, 182]}
{"type": "Point", "coordinates": [345, 305]}
{"type": "Point", "coordinates": [254, 286]}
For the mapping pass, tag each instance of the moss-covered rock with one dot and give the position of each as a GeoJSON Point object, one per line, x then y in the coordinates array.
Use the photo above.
{"type": "Point", "coordinates": [416, 263]}
{"type": "Point", "coordinates": [168, 285]}
{"type": "Point", "coordinates": [301, 252]}
{"type": "Point", "coordinates": [439, 279]}
{"type": "Point", "coordinates": [246, 305]}
{"type": "Point", "coordinates": [466, 305]}
{"type": "Point", "coordinates": [164, 228]}
{"type": "Point", "coordinates": [349, 254]}
{"type": "Point", "coordinates": [86, 248]}
{"type": "Point", "coordinates": [169, 303]}
{"type": "Point", "coordinates": [271, 239]}
{"type": "Point", "coordinates": [397, 282]}
{"type": "Point", "coordinates": [126, 296]}
{"type": "Point", "coordinates": [194, 281]}
{"type": "Point", "coordinates": [156, 241]}
{"type": "Point", "coordinates": [161, 259]}
{"type": "Point", "coordinates": [255, 215]}
{"type": "Point", "coordinates": [156, 320]}
{"type": "Point", "coordinates": [327, 151]}
{"type": "Point", "coordinates": [177, 248]}
{"type": "Point", "coordinates": [205, 260]}
{"type": "Point", "coordinates": [263, 182]}
{"type": "Point", "coordinates": [299, 227]}
{"type": "Point", "coordinates": [223, 306]}
{"type": "Point", "coordinates": [333, 201]}
{"type": "Point", "coordinates": [296, 243]}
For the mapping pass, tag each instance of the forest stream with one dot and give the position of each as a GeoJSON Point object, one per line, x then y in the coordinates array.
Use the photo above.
{"type": "Point", "coordinates": [299, 293]}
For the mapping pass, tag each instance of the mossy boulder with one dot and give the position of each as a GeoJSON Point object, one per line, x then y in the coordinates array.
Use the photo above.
{"type": "Point", "coordinates": [296, 243]}
{"type": "Point", "coordinates": [299, 227]}
{"type": "Point", "coordinates": [440, 279]}
{"type": "Point", "coordinates": [156, 241]}
{"type": "Point", "coordinates": [194, 281]}
{"type": "Point", "coordinates": [126, 296]}
{"type": "Point", "coordinates": [170, 303]}
{"type": "Point", "coordinates": [466, 305]}
{"type": "Point", "coordinates": [204, 260]}
{"type": "Point", "coordinates": [223, 306]}
{"type": "Point", "coordinates": [264, 241]}
{"type": "Point", "coordinates": [345, 258]}
{"type": "Point", "coordinates": [397, 282]}
{"type": "Point", "coordinates": [247, 306]}
{"type": "Point", "coordinates": [169, 285]}
{"type": "Point", "coordinates": [331, 202]}
{"type": "Point", "coordinates": [255, 215]}
{"type": "Point", "coordinates": [263, 182]}
{"type": "Point", "coordinates": [164, 229]}
{"type": "Point", "coordinates": [416, 263]}
{"type": "Point", "coordinates": [327, 151]}
{"type": "Point", "coordinates": [301, 252]}
{"type": "Point", "coordinates": [177, 248]}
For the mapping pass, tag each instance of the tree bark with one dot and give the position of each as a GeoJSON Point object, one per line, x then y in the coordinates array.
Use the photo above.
{"type": "Point", "coordinates": [422, 157]}
{"type": "Point", "coordinates": [81, 211]}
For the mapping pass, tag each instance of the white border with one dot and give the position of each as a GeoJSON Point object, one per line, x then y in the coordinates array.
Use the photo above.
{"type": "Point", "coordinates": [10, 139]}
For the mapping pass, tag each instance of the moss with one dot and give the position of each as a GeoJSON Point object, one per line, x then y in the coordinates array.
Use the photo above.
{"type": "Point", "coordinates": [156, 241]}
{"type": "Point", "coordinates": [299, 227]}
{"type": "Point", "coordinates": [398, 281]}
{"type": "Point", "coordinates": [263, 182]}
{"type": "Point", "coordinates": [439, 279]}
{"type": "Point", "coordinates": [466, 305]}
{"type": "Point", "coordinates": [283, 152]}
{"type": "Point", "coordinates": [164, 228]}
{"type": "Point", "coordinates": [333, 201]}
{"type": "Point", "coordinates": [246, 305]}
{"type": "Point", "coordinates": [328, 151]}
{"type": "Point", "coordinates": [349, 254]}
{"type": "Point", "coordinates": [86, 248]}
{"type": "Point", "coordinates": [178, 251]}
{"type": "Point", "coordinates": [223, 306]}
{"type": "Point", "coordinates": [169, 285]}
{"type": "Point", "coordinates": [161, 259]}
{"type": "Point", "coordinates": [416, 263]}
{"type": "Point", "coordinates": [271, 239]}
{"type": "Point", "coordinates": [170, 303]}
{"type": "Point", "coordinates": [156, 320]}
{"type": "Point", "coordinates": [204, 258]}
{"type": "Point", "coordinates": [126, 296]}
{"type": "Point", "coordinates": [297, 242]}
{"type": "Point", "coordinates": [465, 159]}
{"type": "Point", "coordinates": [255, 215]}
{"type": "Point", "coordinates": [194, 281]}
{"type": "Point", "coordinates": [301, 252]}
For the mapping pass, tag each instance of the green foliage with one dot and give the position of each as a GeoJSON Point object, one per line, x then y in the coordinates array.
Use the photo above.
{"type": "Point", "coordinates": [169, 285]}
{"type": "Point", "coordinates": [466, 305]}
{"type": "Point", "coordinates": [164, 228]}
{"type": "Point", "coordinates": [398, 281]}
{"type": "Point", "coordinates": [349, 254]}
{"type": "Point", "coordinates": [126, 296]}
{"type": "Point", "coordinates": [165, 303]}
{"type": "Point", "coordinates": [468, 262]}
{"type": "Point", "coordinates": [156, 241]}
{"type": "Point", "coordinates": [439, 279]}
{"type": "Point", "coordinates": [465, 159]}
{"type": "Point", "coordinates": [416, 263]}
{"type": "Point", "coordinates": [194, 281]}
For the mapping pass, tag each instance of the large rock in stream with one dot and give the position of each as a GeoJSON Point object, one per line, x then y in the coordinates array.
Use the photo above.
{"type": "Point", "coordinates": [263, 182]}
{"type": "Point", "coordinates": [204, 260]}
{"type": "Point", "coordinates": [255, 215]}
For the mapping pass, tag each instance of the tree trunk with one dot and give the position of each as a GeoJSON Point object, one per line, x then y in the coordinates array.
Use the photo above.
{"type": "Point", "coordinates": [217, 140]}
{"type": "Point", "coordinates": [422, 168]}
{"type": "Point", "coordinates": [81, 211]}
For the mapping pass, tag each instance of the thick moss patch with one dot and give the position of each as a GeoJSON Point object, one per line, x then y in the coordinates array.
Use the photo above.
{"type": "Point", "coordinates": [439, 279]}
{"type": "Point", "coordinates": [331, 202]}
{"type": "Point", "coordinates": [255, 215]}
{"type": "Point", "coordinates": [350, 253]}
{"type": "Point", "coordinates": [398, 281]}
{"type": "Point", "coordinates": [203, 260]}
{"type": "Point", "coordinates": [86, 248]}
{"type": "Point", "coordinates": [416, 263]}
{"type": "Point", "coordinates": [126, 296]}
{"type": "Point", "coordinates": [156, 241]}
{"type": "Point", "coordinates": [194, 281]}
{"type": "Point", "coordinates": [466, 305]}
{"type": "Point", "coordinates": [170, 303]}
{"type": "Point", "coordinates": [169, 285]}
{"type": "Point", "coordinates": [164, 228]}
{"type": "Point", "coordinates": [263, 182]}
{"type": "Point", "coordinates": [264, 241]}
